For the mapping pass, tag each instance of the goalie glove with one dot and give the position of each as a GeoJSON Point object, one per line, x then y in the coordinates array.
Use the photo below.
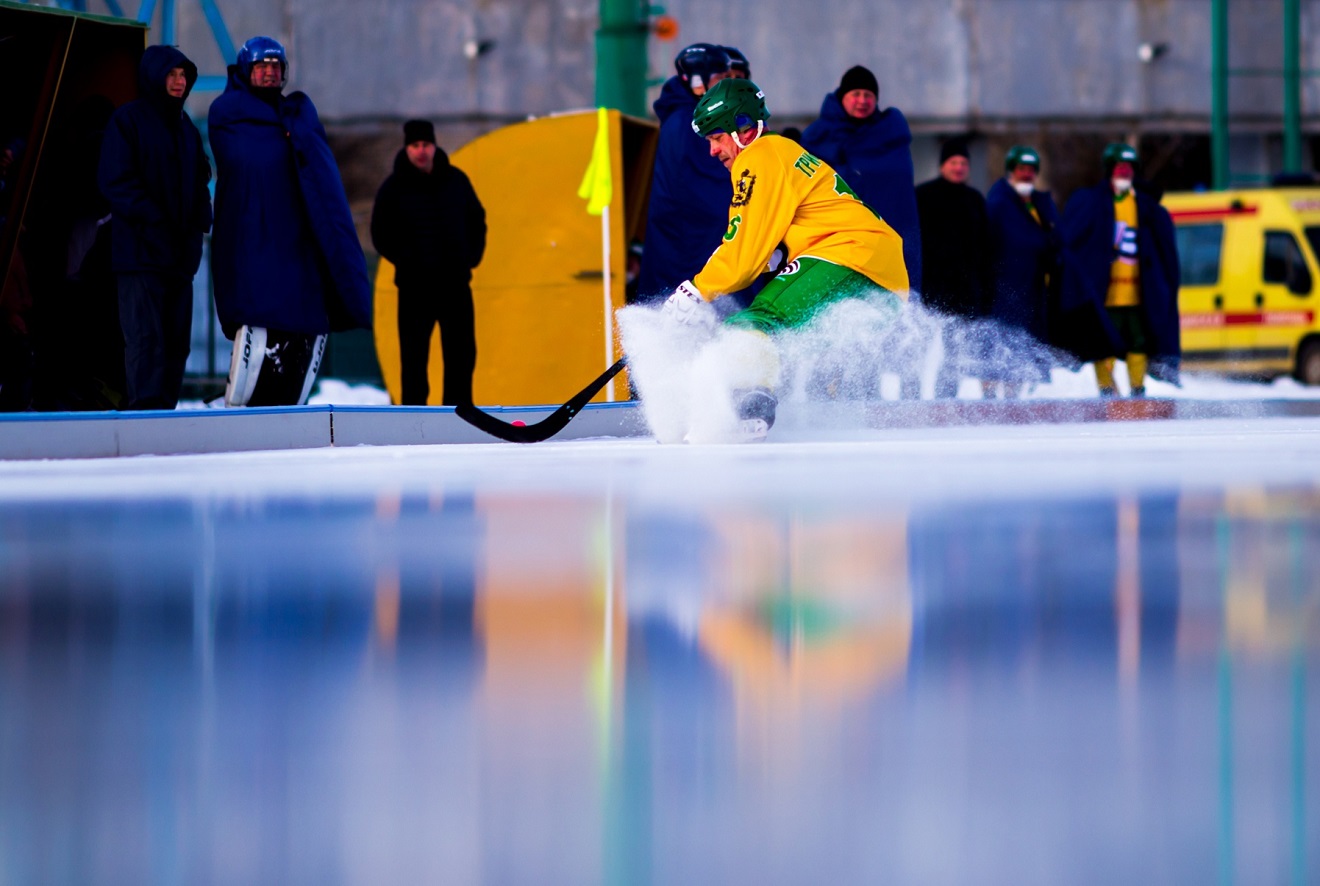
{"type": "Point", "coordinates": [686, 307]}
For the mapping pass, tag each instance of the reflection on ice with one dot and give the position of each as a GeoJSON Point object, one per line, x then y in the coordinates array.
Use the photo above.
{"type": "Point", "coordinates": [483, 685]}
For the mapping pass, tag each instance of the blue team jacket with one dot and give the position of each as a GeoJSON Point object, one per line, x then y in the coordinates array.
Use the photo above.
{"type": "Point", "coordinates": [284, 253]}
{"type": "Point", "coordinates": [1088, 242]}
{"type": "Point", "coordinates": [874, 156]}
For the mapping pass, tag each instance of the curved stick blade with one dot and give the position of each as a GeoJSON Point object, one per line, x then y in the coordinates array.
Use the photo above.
{"type": "Point", "coordinates": [545, 428]}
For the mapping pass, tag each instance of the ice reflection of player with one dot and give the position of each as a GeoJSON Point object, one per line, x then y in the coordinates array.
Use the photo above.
{"type": "Point", "coordinates": [807, 622]}
{"type": "Point", "coordinates": [677, 707]}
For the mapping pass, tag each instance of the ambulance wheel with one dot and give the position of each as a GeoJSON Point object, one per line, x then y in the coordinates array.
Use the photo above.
{"type": "Point", "coordinates": [1308, 362]}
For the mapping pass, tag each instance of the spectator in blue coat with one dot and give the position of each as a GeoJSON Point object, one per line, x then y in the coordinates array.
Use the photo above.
{"type": "Point", "coordinates": [872, 150]}
{"type": "Point", "coordinates": [1024, 258]}
{"type": "Point", "coordinates": [154, 173]}
{"type": "Point", "coordinates": [690, 189]}
{"type": "Point", "coordinates": [1121, 277]}
{"type": "Point", "coordinates": [286, 261]}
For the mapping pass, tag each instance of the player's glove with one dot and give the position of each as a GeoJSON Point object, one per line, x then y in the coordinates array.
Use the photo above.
{"type": "Point", "coordinates": [686, 307]}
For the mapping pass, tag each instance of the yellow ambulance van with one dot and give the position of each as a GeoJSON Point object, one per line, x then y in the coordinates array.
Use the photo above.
{"type": "Point", "coordinates": [1250, 295]}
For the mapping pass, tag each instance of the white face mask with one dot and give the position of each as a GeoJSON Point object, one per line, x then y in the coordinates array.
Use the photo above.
{"type": "Point", "coordinates": [1024, 189]}
{"type": "Point", "coordinates": [1122, 185]}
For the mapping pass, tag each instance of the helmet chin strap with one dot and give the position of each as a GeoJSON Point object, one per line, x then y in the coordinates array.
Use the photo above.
{"type": "Point", "coordinates": [760, 127]}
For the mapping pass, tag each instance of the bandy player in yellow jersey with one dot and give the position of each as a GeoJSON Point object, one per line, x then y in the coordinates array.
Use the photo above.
{"type": "Point", "coordinates": [837, 248]}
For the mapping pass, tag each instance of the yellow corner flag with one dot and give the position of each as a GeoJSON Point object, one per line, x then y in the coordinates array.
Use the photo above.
{"type": "Point", "coordinates": [597, 186]}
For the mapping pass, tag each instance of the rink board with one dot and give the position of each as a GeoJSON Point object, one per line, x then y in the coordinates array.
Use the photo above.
{"type": "Point", "coordinates": [39, 435]}
{"type": "Point", "coordinates": [113, 434]}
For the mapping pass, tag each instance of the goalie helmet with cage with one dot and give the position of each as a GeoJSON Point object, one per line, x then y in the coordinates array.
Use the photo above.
{"type": "Point", "coordinates": [730, 106]}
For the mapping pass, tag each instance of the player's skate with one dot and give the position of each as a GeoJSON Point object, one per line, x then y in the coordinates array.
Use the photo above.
{"type": "Point", "coordinates": [731, 383]}
{"type": "Point", "coordinates": [756, 414]}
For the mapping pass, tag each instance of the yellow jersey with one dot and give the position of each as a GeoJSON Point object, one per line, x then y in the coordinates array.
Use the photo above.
{"type": "Point", "coordinates": [783, 194]}
{"type": "Point", "coordinates": [1124, 273]}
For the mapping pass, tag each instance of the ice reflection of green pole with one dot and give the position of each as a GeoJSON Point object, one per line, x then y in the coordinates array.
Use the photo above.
{"type": "Point", "coordinates": [603, 690]}
{"type": "Point", "coordinates": [1298, 709]}
{"type": "Point", "coordinates": [1225, 766]}
{"type": "Point", "coordinates": [1226, 859]}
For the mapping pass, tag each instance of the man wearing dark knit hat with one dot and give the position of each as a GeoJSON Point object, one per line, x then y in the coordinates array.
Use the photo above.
{"type": "Point", "coordinates": [415, 131]}
{"type": "Point", "coordinates": [872, 150]}
{"type": "Point", "coordinates": [955, 244]}
{"type": "Point", "coordinates": [428, 222]}
{"type": "Point", "coordinates": [858, 85]}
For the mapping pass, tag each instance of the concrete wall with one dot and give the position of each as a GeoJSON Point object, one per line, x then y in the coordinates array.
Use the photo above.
{"type": "Point", "coordinates": [975, 62]}
{"type": "Point", "coordinates": [1064, 75]}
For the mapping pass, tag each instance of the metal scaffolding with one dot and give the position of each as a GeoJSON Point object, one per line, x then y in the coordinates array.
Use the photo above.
{"type": "Point", "coordinates": [1220, 72]}
{"type": "Point", "coordinates": [169, 28]}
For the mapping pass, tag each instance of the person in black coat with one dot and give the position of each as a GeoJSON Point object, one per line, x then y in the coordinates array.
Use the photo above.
{"type": "Point", "coordinates": [154, 173]}
{"type": "Point", "coordinates": [955, 253]}
{"type": "Point", "coordinates": [428, 222]}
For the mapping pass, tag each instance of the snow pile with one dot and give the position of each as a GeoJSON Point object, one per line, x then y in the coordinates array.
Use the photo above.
{"type": "Point", "coordinates": [330, 391]}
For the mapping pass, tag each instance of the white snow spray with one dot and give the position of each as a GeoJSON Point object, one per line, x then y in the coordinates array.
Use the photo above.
{"type": "Point", "coordinates": [853, 354]}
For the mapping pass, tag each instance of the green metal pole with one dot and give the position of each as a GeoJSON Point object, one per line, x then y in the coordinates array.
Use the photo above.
{"type": "Point", "coordinates": [621, 56]}
{"type": "Point", "coordinates": [1219, 92]}
{"type": "Point", "coordinates": [1292, 86]}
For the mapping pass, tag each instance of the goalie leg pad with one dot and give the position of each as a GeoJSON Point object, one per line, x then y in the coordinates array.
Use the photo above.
{"type": "Point", "coordinates": [313, 367]}
{"type": "Point", "coordinates": [245, 365]}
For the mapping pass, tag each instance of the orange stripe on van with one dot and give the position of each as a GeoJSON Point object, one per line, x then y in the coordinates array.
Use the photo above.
{"type": "Point", "coordinates": [1211, 214]}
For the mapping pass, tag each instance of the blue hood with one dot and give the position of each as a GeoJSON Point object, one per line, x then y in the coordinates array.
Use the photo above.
{"type": "Point", "coordinates": [674, 97]}
{"type": "Point", "coordinates": [158, 61]}
{"type": "Point", "coordinates": [888, 127]}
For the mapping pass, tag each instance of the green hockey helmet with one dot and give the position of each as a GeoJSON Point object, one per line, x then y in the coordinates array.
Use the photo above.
{"type": "Point", "coordinates": [728, 106]}
{"type": "Point", "coordinates": [1116, 153]}
{"type": "Point", "coordinates": [1021, 155]}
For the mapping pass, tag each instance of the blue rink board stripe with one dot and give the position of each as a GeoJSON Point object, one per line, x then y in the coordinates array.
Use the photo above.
{"type": "Point", "coordinates": [111, 434]}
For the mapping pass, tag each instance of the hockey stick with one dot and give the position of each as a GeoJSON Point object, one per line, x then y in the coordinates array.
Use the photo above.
{"type": "Point", "coordinates": [545, 428]}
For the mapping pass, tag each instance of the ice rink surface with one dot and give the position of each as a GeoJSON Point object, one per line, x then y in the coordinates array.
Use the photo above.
{"type": "Point", "coordinates": [1046, 654]}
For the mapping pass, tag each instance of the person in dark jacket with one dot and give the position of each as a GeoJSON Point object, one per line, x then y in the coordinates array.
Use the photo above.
{"type": "Point", "coordinates": [690, 190]}
{"type": "Point", "coordinates": [285, 258]}
{"type": "Point", "coordinates": [872, 150]}
{"type": "Point", "coordinates": [154, 173]}
{"type": "Point", "coordinates": [1024, 257]}
{"type": "Point", "coordinates": [428, 222]}
{"type": "Point", "coordinates": [955, 252]}
{"type": "Point", "coordinates": [1121, 277]}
